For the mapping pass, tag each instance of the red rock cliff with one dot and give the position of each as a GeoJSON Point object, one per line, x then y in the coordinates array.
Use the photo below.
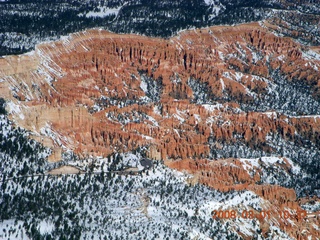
{"type": "Point", "coordinates": [89, 93]}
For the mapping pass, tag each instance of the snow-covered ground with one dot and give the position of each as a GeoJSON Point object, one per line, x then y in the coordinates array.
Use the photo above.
{"type": "Point", "coordinates": [12, 230]}
{"type": "Point", "coordinates": [102, 12]}
{"type": "Point", "coordinates": [155, 204]}
{"type": "Point", "coordinates": [158, 203]}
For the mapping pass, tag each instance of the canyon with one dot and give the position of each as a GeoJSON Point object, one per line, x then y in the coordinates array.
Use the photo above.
{"type": "Point", "coordinates": [186, 99]}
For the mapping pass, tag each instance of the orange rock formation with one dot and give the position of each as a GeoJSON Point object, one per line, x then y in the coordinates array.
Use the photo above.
{"type": "Point", "coordinates": [83, 92]}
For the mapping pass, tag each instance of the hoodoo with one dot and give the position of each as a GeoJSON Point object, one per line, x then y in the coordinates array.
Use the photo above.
{"type": "Point", "coordinates": [226, 104]}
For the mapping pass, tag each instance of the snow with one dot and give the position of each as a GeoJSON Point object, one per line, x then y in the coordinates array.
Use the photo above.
{"type": "Point", "coordinates": [5, 127]}
{"type": "Point", "coordinates": [209, 2]}
{"type": "Point", "coordinates": [311, 55]}
{"type": "Point", "coordinates": [221, 55]}
{"type": "Point", "coordinates": [197, 117]}
{"type": "Point", "coordinates": [6, 227]}
{"type": "Point", "coordinates": [144, 99]}
{"type": "Point", "coordinates": [131, 160]}
{"type": "Point", "coordinates": [15, 109]}
{"type": "Point", "coordinates": [313, 65]}
{"type": "Point", "coordinates": [250, 164]}
{"type": "Point", "coordinates": [210, 120]}
{"type": "Point", "coordinates": [194, 234]}
{"type": "Point", "coordinates": [48, 68]}
{"type": "Point", "coordinates": [271, 160]}
{"type": "Point", "coordinates": [281, 57]}
{"type": "Point", "coordinates": [312, 207]}
{"type": "Point", "coordinates": [211, 108]}
{"type": "Point", "coordinates": [176, 131]}
{"type": "Point", "coordinates": [141, 202]}
{"type": "Point", "coordinates": [147, 137]}
{"type": "Point", "coordinates": [295, 168]}
{"type": "Point", "coordinates": [236, 200]}
{"type": "Point", "coordinates": [156, 110]}
{"type": "Point", "coordinates": [144, 86]}
{"type": "Point", "coordinates": [215, 8]}
{"type": "Point", "coordinates": [58, 139]}
{"type": "Point", "coordinates": [178, 117]}
{"type": "Point", "coordinates": [97, 108]}
{"type": "Point", "coordinates": [238, 76]}
{"type": "Point", "coordinates": [103, 12]}
{"type": "Point", "coordinates": [31, 53]}
{"type": "Point", "coordinates": [176, 80]}
{"type": "Point", "coordinates": [306, 116]}
{"type": "Point", "coordinates": [151, 119]}
{"type": "Point", "coordinates": [255, 56]}
{"type": "Point", "coordinates": [45, 227]}
{"type": "Point", "coordinates": [222, 84]}
{"type": "Point", "coordinates": [272, 115]}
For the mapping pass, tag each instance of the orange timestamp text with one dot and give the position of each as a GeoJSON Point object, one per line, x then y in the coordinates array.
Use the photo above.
{"type": "Point", "coordinates": [250, 214]}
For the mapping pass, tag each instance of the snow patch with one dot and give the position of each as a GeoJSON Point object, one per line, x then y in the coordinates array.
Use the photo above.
{"type": "Point", "coordinates": [311, 55]}
{"type": "Point", "coordinates": [144, 86]}
{"type": "Point", "coordinates": [211, 108]}
{"type": "Point", "coordinates": [156, 110]}
{"type": "Point", "coordinates": [295, 168]}
{"type": "Point", "coordinates": [45, 227]}
{"type": "Point", "coordinates": [250, 164]}
{"type": "Point", "coordinates": [151, 119]}
{"type": "Point", "coordinates": [197, 117]}
{"type": "Point", "coordinates": [178, 117]}
{"type": "Point", "coordinates": [59, 139]}
{"type": "Point", "coordinates": [147, 137]}
{"type": "Point", "coordinates": [222, 84]}
{"type": "Point", "coordinates": [102, 12]}
{"type": "Point", "coordinates": [131, 160]}
{"type": "Point", "coordinates": [6, 228]}
{"type": "Point", "coordinates": [15, 109]}
{"type": "Point", "coordinates": [272, 115]}
{"type": "Point", "coordinates": [306, 116]}
{"type": "Point", "coordinates": [215, 9]}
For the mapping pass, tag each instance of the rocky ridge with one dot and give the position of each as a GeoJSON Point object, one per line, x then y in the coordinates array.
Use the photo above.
{"type": "Point", "coordinates": [24, 24]}
{"type": "Point", "coordinates": [203, 101]}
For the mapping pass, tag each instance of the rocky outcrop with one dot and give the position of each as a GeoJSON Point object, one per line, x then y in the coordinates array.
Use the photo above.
{"type": "Point", "coordinates": [230, 175]}
{"type": "Point", "coordinates": [74, 83]}
{"type": "Point", "coordinates": [185, 98]}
